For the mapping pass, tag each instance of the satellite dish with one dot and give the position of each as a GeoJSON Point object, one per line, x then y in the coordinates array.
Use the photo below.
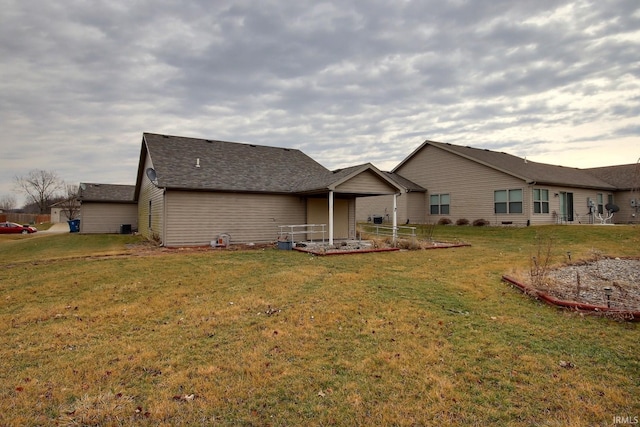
{"type": "Point", "coordinates": [151, 174]}
{"type": "Point", "coordinates": [611, 207]}
{"type": "Point", "coordinates": [83, 186]}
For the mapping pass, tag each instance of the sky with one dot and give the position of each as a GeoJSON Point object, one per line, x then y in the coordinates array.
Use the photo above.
{"type": "Point", "coordinates": [347, 82]}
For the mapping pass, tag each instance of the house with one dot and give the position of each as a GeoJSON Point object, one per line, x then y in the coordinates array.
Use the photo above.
{"type": "Point", "coordinates": [107, 208]}
{"type": "Point", "coordinates": [626, 179]}
{"type": "Point", "coordinates": [61, 211]}
{"type": "Point", "coordinates": [189, 191]}
{"type": "Point", "coordinates": [450, 181]}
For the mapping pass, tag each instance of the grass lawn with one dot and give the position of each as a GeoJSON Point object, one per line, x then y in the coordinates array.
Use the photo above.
{"type": "Point", "coordinates": [94, 336]}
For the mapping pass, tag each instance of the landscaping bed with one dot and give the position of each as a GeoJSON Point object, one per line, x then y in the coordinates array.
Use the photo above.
{"type": "Point", "coordinates": [584, 286]}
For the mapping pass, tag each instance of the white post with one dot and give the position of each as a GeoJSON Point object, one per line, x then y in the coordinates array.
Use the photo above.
{"type": "Point", "coordinates": [395, 217]}
{"type": "Point", "coordinates": [331, 217]}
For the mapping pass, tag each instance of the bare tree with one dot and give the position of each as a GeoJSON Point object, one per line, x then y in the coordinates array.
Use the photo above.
{"type": "Point", "coordinates": [40, 186]}
{"type": "Point", "coordinates": [69, 204]}
{"type": "Point", "coordinates": [7, 202]}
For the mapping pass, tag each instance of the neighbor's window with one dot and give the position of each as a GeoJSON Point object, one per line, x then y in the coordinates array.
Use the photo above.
{"type": "Point", "coordinates": [540, 201]}
{"type": "Point", "coordinates": [507, 201]}
{"type": "Point", "coordinates": [600, 203]}
{"type": "Point", "coordinates": [439, 204]}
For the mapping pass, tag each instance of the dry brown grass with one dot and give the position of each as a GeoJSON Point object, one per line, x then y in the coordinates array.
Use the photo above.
{"type": "Point", "coordinates": [271, 337]}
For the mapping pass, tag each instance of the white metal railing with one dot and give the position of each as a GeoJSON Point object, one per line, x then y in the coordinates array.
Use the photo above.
{"type": "Point", "coordinates": [290, 231]}
{"type": "Point", "coordinates": [397, 231]}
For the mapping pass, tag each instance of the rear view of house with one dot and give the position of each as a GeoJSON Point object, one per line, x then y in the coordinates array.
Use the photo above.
{"type": "Point", "coordinates": [189, 191]}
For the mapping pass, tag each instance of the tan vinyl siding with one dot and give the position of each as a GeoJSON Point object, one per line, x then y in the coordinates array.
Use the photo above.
{"type": "Point", "coordinates": [149, 192]}
{"type": "Point", "coordinates": [197, 218]}
{"type": "Point", "coordinates": [107, 218]}
{"type": "Point", "coordinates": [318, 213]}
{"type": "Point", "coordinates": [627, 214]}
{"type": "Point", "coordinates": [410, 207]}
{"type": "Point", "coordinates": [365, 182]}
{"type": "Point", "coordinates": [368, 207]}
{"type": "Point", "coordinates": [580, 205]}
{"type": "Point", "coordinates": [352, 218]}
{"type": "Point", "coordinates": [470, 186]}
{"type": "Point", "coordinates": [414, 205]}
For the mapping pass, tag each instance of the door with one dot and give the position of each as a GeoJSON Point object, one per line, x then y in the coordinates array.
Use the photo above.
{"type": "Point", "coordinates": [318, 213]}
{"type": "Point", "coordinates": [566, 206]}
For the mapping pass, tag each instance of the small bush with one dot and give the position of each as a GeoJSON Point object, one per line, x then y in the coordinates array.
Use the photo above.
{"type": "Point", "coordinates": [462, 221]}
{"type": "Point", "coordinates": [411, 245]}
{"type": "Point", "coordinates": [480, 222]}
{"type": "Point", "coordinates": [444, 221]}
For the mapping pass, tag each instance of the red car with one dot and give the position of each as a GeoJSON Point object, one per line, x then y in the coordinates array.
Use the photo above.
{"type": "Point", "coordinates": [13, 228]}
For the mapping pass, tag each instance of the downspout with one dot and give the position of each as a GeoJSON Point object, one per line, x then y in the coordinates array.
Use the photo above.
{"type": "Point", "coordinates": [164, 216]}
{"type": "Point", "coordinates": [330, 217]}
{"type": "Point", "coordinates": [529, 198]}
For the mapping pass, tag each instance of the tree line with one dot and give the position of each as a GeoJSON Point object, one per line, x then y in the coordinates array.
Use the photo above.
{"type": "Point", "coordinates": [43, 188]}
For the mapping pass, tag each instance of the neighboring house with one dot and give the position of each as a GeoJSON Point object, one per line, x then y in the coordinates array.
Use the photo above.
{"type": "Point", "coordinates": [107, 208]}
{"type": "Point", "coordinates": [410, 204]}
{"type": "Point", "coordinates": [189, 191]}
{"type": "Point", "coordinates": [626, 179]}
{"type": "Point", "coordinates": [60, 211]}
{"type": "Point", "coordinates": [470, 183]}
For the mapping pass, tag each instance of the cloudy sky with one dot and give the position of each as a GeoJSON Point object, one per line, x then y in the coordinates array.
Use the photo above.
{"type": "Point", "coordinates": [346, 82]}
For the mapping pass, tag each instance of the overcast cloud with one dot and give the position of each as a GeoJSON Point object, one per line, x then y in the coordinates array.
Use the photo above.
{"type": "Point", "coordinates": [346, 82]}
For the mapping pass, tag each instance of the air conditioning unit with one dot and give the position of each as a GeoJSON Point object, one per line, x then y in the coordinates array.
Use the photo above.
{"type": "Point", "coordinates": [634, 203]}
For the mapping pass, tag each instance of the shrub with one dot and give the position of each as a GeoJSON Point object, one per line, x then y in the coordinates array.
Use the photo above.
{"type": "Point", "coordinates": [462, 221]}
{"type": "Point", "coordinates": [444, 221]}
{"type": "Point", "coordinates": [480, 222]}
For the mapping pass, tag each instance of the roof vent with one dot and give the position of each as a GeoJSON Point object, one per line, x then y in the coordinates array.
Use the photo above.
{"type": "Point", "coordinates": [165, 136]}
{"type": "Point", "coordinates": [198, 162]}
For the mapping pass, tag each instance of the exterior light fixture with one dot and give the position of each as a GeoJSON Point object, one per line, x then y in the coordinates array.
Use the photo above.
{"type": "Point", "coordinates": [608, 291]}
{"type": "Point", "coordinates": [569, 255]}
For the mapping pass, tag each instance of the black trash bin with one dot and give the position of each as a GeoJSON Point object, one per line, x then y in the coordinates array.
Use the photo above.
{"type": "Point", "coordinates": [74, 225]}
{"type": "Point", "coordinates": [125, 228]}
{"type": "Point", "coordinates": [377, 220]}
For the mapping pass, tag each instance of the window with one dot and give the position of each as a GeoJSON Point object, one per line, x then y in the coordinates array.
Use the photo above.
{"type": "Point", "coordinates": [540, 201]}
{"type": "Point", "coordinates": [149, 214]}
{"type": "Point", "coordinates": [507, 201]}
{"type": "Point", "coordinates": [600, 203]}
{"type": "Point", "coordinates": [439, 204]}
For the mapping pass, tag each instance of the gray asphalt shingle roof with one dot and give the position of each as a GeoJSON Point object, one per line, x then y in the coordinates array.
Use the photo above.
{"type": "Point", "coordinates": [409, 185]}
{"type": "Point", "coordinates": [529, 171]}
{"type": "Point", "coordinates": [623, 177]}
{"type": "Point", "coordinates": [106, 192]}
{"type": "Point", "coordinates": [201, 164]}
{"type": "Point", "coordinates": [229, 166]}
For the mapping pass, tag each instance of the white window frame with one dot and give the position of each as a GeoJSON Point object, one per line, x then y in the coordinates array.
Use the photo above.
{"type": "Point", "coordinates": [510, 201]}
{"type": "Point", "coordinates": [443, 201]}
{"type": "Point", "coordinates": [540, 202]}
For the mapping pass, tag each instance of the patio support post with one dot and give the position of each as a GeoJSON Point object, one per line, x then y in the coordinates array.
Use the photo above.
{"type": "Point", "coordinates": [331, 217]}
{"type": "Point", "coordinates": [395, 218]}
